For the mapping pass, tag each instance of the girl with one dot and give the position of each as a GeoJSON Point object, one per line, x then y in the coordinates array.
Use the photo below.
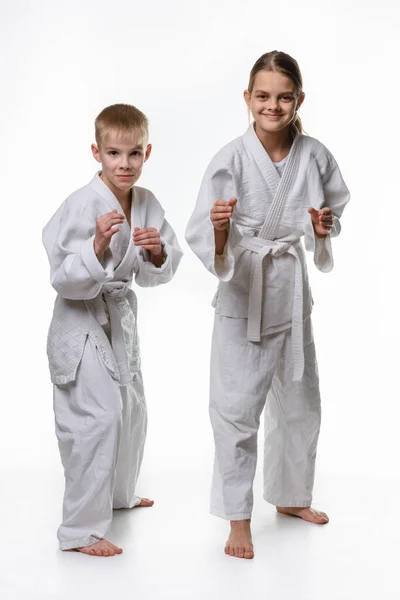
{"type": "Point", "coordinates": [261, 193]}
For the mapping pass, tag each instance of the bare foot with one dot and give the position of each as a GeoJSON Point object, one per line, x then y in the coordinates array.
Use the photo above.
{"type": "Point", "coordinates": [239, 543]}
{"type": "Point", "coordinates": [100, 548]}
{"type": "Point", "coordinates": [307, 514]}
{"type": "Point", "coordinates": [145, 502]}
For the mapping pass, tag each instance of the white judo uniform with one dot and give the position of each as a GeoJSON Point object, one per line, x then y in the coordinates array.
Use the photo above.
{"type": "Point", "coordinates": [262, 340]}
{"type": "Point", "coordinates": [93, 351]}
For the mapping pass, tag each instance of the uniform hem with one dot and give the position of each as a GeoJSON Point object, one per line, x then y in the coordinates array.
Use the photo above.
{"type": "Point", "coordinates": [88, 541]}
{"type": "Point", "coordinates": [230, 517]}
{"type": "Point", "coordinates": [132, 504]}
{"type": "Point", "coordinates": [288, 502]}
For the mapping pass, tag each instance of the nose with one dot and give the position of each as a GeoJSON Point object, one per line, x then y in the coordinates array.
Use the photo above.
{"type": "Point", "coordinates": [273, 104]}
{"type": "Point", "coordinates": [124, 162]}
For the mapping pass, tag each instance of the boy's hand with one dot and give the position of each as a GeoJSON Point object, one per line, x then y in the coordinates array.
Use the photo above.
{"type": "Point", "coordinates": [221, 212]}
{"type": "Point", "coordinates": [149, 239]}
{"type": "Point", "coordinates": [322, 221]}
{"type": "Point", "coordinates": [106, 226]}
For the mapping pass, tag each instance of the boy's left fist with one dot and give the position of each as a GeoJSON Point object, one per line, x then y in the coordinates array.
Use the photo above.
{"type": "Point", "coordinates": [149, 239]}
{"type": "Point", "coordinates": [322, 221]}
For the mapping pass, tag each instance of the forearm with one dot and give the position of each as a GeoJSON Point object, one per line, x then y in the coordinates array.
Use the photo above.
{"type": "Point", "coordinates": [159, 259]}
{"type": "Point", "coordinates": [220, 240]}
{"type": "Point", "coordinates": [99, 251]}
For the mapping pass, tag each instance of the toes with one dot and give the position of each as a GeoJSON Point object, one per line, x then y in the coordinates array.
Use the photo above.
{"type": "Point", "coordinates": [325, 516]}
{"type": "Point", "coordinates": [321, 517]}
{"type": "Point", "coordinates": [112, 546]}
{"type": "Point", "coordinates": [237, 551]}
{"type": "Point", "coordinates": [146, 502]}
{"type": "Point", "coordinates": [249, 554]}
{"type": "Point", "coordinates": [115, 549]}
{"type": "Point", "coordinates": [320, 520]}
{"type": "Point", "coordinates": [86, 551]}
{"type": "Point", "coordinates": [103, 548]}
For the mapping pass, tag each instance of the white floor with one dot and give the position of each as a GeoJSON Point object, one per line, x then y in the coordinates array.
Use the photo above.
{"type": "Point", "coordinates": [174, 550]}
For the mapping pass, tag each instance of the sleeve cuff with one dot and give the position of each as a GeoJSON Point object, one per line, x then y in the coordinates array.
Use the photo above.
{"type": "Point", "coordinates": [323, 257]}
{"type": "Point", "coordinates": [146, 265]}
{"type": "Point", "coordinates": [224, 264]}
{"type": "Point", "coordinates": [101, 272]}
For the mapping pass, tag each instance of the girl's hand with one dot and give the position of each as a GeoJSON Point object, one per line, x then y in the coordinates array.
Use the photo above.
{"type": "Point", "coordinates": [106, 226]}
{"type": "Point", "coordinates": [149, 239]}
{"type": "Point", "coordinates": [322, 221]}
{"type": "Point", "coordinates": [221, 212]}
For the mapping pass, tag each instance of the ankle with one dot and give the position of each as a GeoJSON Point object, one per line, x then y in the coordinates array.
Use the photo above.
{"type": "Point", "coordinates": [244, 522]}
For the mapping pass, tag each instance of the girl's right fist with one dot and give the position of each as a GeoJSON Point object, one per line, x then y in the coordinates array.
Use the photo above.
{"type": "Point", "coordinates": [221, 212]}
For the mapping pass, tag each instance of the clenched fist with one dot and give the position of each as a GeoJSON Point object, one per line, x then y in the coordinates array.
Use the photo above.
{"type": "Point", "coordinates": [106, 226]}
{"type": "Point", "coordinates": [221, 212]}
{"type": "Point", "coordinates": [322, 221]}
{"type": "Point", "coordinates": [149, 239]}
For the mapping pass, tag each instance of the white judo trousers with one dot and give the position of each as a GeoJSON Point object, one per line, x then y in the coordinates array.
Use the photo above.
{"type": "Point", "coordinates": [243, 374]}
{"type": "Point", "coordinates": [101, 430]}
{"type": "Point", "coordinates": [263, 351]}
{"type": "Point", "coordinates": [93, 352]}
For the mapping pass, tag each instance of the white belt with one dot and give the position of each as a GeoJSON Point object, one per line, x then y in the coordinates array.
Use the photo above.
{"type": "Point", "coordinates": [111, 291]}
{"type": "Point", "coordinates": [261, 248]}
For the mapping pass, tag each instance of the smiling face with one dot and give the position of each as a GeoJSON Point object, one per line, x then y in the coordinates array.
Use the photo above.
{"type": "Point", "coordinates": [122, 157]}
{"type": "Point", "coordinates": [273, 101]}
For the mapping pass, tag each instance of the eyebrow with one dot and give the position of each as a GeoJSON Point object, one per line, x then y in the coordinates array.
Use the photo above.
{"type": "Point", "coordinates": [137, 147]}
{"type": "Point", "coordinates": [280, 93]}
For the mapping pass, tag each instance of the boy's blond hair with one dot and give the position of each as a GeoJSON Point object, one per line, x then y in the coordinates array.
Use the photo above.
{"type": "Point", "coordinates": [122, 118]}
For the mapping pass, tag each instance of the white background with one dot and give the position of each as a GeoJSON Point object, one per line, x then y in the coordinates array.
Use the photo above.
{"type": "Point", "coordinates": [186, 64]}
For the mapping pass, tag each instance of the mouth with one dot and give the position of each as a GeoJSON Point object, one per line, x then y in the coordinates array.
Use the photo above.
{"type": "Point", "coordinates": [273, 117]}
{"type": "Point", "coordinates": [125, 177]}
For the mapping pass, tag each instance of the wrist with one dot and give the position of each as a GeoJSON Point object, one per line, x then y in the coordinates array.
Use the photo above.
{"type": "Point", "coordinates": [220, 237]}
{"type": "Point", "coordinates": [158, 259]}
{"type": "Point", "coordinates": [99, 250]}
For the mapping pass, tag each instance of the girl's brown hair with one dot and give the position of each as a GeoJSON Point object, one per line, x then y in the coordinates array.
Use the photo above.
{"type": "Point", "coordinates": [280, 63]}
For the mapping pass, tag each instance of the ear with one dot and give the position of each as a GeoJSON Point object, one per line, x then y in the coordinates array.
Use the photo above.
{"type": "Point", "coordinates": [148, 152]}
{"type": "Point", "coordinates": [300, 100]}
{"type": "Point", "coordinates": [247, 97]}
{"type": "Point", "coordinates": [96, 153]}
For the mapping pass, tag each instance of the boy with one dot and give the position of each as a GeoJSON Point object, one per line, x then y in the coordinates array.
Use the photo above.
{"type": "Point", "coordinates": [102, 235]}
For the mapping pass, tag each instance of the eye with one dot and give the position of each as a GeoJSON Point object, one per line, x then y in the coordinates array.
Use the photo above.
{"type": "Point", "coordinates": [287, 98]}
{"type": "Point", "coordinates": [261, 96]}
{"type": "Point", "coordinates": [136, 153]}
{"type": "Point", "coordinates": [112, 153]}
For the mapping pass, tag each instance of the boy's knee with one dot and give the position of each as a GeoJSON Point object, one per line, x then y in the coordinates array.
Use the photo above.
{"type": "Point", "coordinates": [111, 422]}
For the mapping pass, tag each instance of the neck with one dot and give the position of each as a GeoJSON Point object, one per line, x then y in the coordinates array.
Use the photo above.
{"type": "Point", "coordinates": [275, 142]}
{"type": "Point", "coordinates": [124, 198]}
